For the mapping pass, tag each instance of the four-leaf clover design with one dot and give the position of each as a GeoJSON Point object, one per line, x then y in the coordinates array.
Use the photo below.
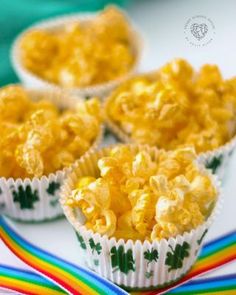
{"type": "Point", "coordinates": [95, 247]}
{"type": "Point", "coordinates": [214, 163]}
{"type": "Point", "coordinates": [122, 260]}
{"type": "Point", "coordinates": [52, 187]}
{"type": "Point", "coordinates": [151, 255]}
{"type": "Point", "coordinates": [26, 197]}
{"type": "Point", "coordinates": [176, 256]}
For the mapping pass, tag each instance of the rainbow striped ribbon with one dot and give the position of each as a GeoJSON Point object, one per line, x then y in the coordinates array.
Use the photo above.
{"type": "Point", "coordinates": [77, 280]}
{"type": "Point", "coordinates": [225, 285]}
{"type": "Point", "coordinates": [28, 282]}
{"type": "Point", "coordinates": [72, 278]}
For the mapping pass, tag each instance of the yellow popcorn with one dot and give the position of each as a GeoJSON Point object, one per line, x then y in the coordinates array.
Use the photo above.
{"type": "Point", "coordinates": [125, 229]}
{"type": "Point", "coordinates": [142, 197]}
{"type": "Point", "coordinates": [176, 107]}
{"type": "Point", "coordinates": [143, 212]}
{"type": "Point", "coordinates": [38, 50]}
{"type": "Point", "coordinates": [143, 166]}
{"type": "Point", "coordinates": [82, 53]}
{"type": "Point", "coordinates": [37, 138]}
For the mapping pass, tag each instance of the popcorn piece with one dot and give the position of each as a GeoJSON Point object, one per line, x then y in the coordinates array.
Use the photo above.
{"type": "Point", "coordinates": [37, 138]}
{"type": "Point", "coordinates": [176, 107]}
{"type": "Point", "coordinates": [105, 224]}
{"type": "Point", "coordinates": [148, 199]}
{"type": "Point", "coordinates": [143, 212]}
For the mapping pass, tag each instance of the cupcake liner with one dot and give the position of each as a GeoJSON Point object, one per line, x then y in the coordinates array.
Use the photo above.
{"type": "Point", "coordinates": [37, 199]}
{"type": "Point", "coordinates": [134, 264]}
{"type": "Point", "coordinates": [30, 79]}
{"type": "Point", "coordinates": [216, 160]}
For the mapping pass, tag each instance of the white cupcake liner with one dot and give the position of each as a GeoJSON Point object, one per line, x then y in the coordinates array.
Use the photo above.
{"type": "Point", "coordinates": [30, 79]}
{"type": "Point", "coordinates": [37, 199]}
{"type": "Point", "coordinates": [135, 271]}
{"type": "Point", "coordinates": [216, 160]}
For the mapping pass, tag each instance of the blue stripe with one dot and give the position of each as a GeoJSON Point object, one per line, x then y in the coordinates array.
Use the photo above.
{"type": "Point", "coordinates": [99, 281]}
{"type": "Point", "coordinates": [221, 238]}
{"type": "Point", "coordinates": [213, 279]}
{"type": "Point", "coordinates": [11, 268]}
{"type": "Point", "coordinates": [205, 286]}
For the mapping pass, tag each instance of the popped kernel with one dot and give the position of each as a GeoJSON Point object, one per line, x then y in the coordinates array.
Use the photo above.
{"type": "Point", "coordinates": [37, 138]}
{"type": "Point", "coordinates": [82, 53]}
{"type": "Point", "coordinates": [149, 203]}
{"type": "Point", "coordinates": [176, 107]}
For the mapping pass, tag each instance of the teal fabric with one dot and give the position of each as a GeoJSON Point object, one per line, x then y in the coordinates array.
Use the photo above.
{"type": "Point", "coordinates": [16, 15]}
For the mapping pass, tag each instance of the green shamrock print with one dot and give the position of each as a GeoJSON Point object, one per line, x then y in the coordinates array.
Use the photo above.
{"type": "Point", "coordinates": [52, 187]}
{"type": "Point", "coordinates": [202, 237]}
{"type": "Point", "coordinates": [95, 247]}
{"type": "Point", "coordinates": [122, 260]}
{"type": "Point", "coordinates": [81, 241]}
{"type": "Point", "coordinates": [149, 274]}
{"type": "Point", "coordinates": [96, 262]}
{"type": "Point", "coordinates": [26, 197]}
{"type": "Point", "coordinates": [175, 258]}
{"type": "Point", "coordinates": [2, 206]}
{"type": "Point", "coordinates": [151, 255]}
{"type": "Point", "coordinates": [54, 203]}
{"type": "Point", "coordinates": [215, 163]}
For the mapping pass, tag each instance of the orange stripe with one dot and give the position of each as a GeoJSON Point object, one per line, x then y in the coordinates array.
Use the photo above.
{"type": "Point", "coordinates": [28, 287]}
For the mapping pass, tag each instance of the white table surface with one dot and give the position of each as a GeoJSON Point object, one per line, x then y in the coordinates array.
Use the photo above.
{"type": "Point", "coordinates": [162, 24]}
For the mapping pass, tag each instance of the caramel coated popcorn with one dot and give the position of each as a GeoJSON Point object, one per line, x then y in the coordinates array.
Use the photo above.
{"type": "Point", "coordinates": [38, 139]}
{"type": "Point", "coordinates": [177, 107]}
{"type": "Point", "coordinates": [82, 53]}
{"type": "Point", "coordinates": [138, 197]}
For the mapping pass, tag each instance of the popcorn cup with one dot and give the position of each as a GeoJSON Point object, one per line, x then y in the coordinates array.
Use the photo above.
{"type": "Point", "coordinates": [134, 265]}
{"type": "Point", "coordinates": [30, 79]}
{"type": "Point", "coordinates": [216, 160]}
{"type": "Point", "coordinates": [37, 199]}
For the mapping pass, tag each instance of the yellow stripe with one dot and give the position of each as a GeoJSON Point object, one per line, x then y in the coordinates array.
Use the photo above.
{"type": "Point", "coordinates": [215, 258]}
{"type": "Point", "coordinates": [27, 286]}
{"type": "Point", "coordinates": [226, 292]}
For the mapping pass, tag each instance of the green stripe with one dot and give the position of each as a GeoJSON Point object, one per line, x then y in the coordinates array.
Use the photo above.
{"type": "Point", "coordinates": [35, 282]}
{"type": "Point", "coordinates": [196, 292]}
{"type": "Point", "coordinates": [216, 252]}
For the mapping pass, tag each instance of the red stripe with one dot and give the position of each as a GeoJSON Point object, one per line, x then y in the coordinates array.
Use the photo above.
{"type": "Point", "coordinates": [63, 284]}
{"type": "Point", "coordinates": [211, 266]}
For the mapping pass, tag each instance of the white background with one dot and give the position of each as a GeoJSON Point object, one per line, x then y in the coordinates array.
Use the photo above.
{"type": "Point", "coordinates": [162, 25]}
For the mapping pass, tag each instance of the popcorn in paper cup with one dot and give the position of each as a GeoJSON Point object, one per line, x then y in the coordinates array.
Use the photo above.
{"type": "Point", "coordinates": [181, 107]}
{"type": "Point", "coordinates": [43, 133]}
{"type": "Point", "coordinates": [88, 55]}
{"type": "Point", "coordinates": [140, 214]}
